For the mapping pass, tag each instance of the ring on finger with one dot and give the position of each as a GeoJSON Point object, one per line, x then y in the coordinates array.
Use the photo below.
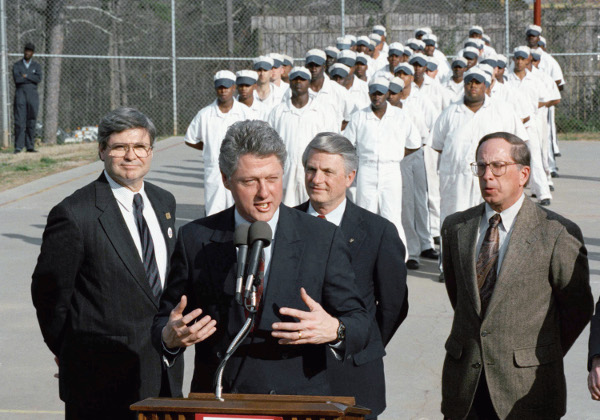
{"type": "Point", "coordinates": [299, 335]}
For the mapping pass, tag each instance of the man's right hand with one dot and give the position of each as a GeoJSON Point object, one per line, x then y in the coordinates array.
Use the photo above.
{"type": "Point", "coordinates": [594, 379]}
{"type": "Point", "coordinates": [177, 333]}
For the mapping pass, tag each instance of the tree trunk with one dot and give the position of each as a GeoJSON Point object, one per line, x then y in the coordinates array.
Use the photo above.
{"type": "Point", "coordinates": [55, 38]}
{"type": "Point", "coordinates": [113, 51]}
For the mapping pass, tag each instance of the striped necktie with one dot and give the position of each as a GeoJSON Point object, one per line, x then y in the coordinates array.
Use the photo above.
{"type": "Point", "coordinates": [487, 262]}
{"type": "Point", "coordinates": [147, 246]}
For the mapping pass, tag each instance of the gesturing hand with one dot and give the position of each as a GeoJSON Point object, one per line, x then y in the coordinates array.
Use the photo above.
{"type": "Point", "coordinates": [594, 379]}
{"type": "Point", "coordinates": [314, 327]}
{"type": "Point", "coordinates": [177, 332]}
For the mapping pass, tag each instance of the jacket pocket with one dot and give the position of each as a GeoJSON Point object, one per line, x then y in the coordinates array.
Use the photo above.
{"type": "Point", "coordinates": [535, 356]}
{"type": "Point", "coordinates": [453, 347]}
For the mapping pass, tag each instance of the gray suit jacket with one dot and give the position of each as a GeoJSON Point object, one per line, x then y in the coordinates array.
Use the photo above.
{"type": "Point", "coordinates": [541, 303]}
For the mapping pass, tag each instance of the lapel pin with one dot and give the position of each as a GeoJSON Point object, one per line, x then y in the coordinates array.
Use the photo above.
{"type": "Point", "coordinates": [351, 240]}
{"type": "Point", "coordinates": [168, 215]}
{"type": "Point", "coordinates": [170, 232]}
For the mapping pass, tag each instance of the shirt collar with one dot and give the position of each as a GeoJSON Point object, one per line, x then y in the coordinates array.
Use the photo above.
{"type": "Point", "coordinates": [508, 215]}
{"type": "Point", "coordinates": [124, 195]}
{"type": "Point", "coordinates": [335, 216]}
{"type": "Point", "coordinates": [239, 220]}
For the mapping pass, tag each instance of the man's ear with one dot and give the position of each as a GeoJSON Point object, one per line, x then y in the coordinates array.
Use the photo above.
{"type": "Point", "coordinates": [226, 181]}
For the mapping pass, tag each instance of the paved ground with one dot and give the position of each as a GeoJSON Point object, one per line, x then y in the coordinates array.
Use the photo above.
{"type": "Point", "coordinates": [28, 389]}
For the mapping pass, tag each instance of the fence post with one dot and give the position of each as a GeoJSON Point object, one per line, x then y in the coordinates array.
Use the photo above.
{"type": "Point", "coordinates": [4, 64]}
{"type": "Point", "coordinates": [343, 12]}
{"type": "Point", "coordinates": [507, 23]}
{"type": "Point", "coordinates": [174, 61]}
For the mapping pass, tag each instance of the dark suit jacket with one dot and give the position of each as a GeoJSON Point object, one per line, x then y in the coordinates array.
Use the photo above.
{"type": "Point", "coordinates": [541, 303]}
{"type": "Point", "coordinates": [34, 75]}
{"type": "Point", "coordinates": [377, 255]}
{"type": "Point", "coordinates": [94, 305]}
{"type": "Point", "coordinates": [307, 253]}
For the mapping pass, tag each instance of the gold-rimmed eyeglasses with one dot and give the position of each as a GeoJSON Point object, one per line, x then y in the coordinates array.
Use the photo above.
{"type": "Point", "coordinates": [120, 150]}
{"type": "Point", "coordinates": [498, 168]}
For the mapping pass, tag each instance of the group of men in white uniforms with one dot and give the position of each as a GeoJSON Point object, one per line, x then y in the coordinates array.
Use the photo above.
{"type": "Point", "coordinates": [410, 113]}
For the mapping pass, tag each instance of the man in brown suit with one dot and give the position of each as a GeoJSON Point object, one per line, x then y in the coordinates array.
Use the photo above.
{"type": "Point", "coordinates": [518, 279]}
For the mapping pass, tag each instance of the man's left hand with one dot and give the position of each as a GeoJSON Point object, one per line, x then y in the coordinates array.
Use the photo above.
{"type": "Point", "coordinates": [314, 327]}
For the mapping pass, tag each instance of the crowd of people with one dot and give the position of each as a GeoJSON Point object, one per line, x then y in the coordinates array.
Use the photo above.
{"type": "Point", "coordinates": [414, 116]}
{"type": "Point", "coordinates": [356, 164]}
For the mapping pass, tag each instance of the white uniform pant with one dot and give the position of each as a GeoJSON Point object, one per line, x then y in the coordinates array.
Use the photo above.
{"type": "Point", "coordinates": [458, 192]}
{"type": "Point", "coordinates": [216, 196]}
{"type": "Point", "coordinates": [415, 211]}
{"type": "Point", "coordinates": [538, 182]}
{"type": "Point", "coordinates": [379, 190]}
{"type": "Point", "coordinates": [294, 189]}
{"type": "Point", "coordinates": [553, 141]}
{"type": "Point", "coordinates": [431, 158]}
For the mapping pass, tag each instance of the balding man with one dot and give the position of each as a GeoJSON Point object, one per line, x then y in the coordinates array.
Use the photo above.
{"type": "Point", "coordinates": [518, 279]}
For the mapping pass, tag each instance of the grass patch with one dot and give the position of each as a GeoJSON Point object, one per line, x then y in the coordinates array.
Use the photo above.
{"type": "Point", "coordinates": [22, 168]}
{"type": "Point", "coordinates": [47, 160]}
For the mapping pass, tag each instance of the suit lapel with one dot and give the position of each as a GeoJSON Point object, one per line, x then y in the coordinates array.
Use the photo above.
{"type": "Point", "coordinates": [284, 265]}
{"type": "Point", "coordinates": [518, 253]}
{"type": "Point", "coordinates": [353, 227]}
{"type": "Point", "coordinates": [118, 234]}
{"type": "Point", "coordinates": [467, 245]}
{"type": "Point", "coordinates": [166, 220]}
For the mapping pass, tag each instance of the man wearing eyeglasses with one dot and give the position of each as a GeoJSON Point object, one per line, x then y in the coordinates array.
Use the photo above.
{"type": "Point", "coordinates": [518, 279]}
{"type": "Point", "coordinates": [100, 274]}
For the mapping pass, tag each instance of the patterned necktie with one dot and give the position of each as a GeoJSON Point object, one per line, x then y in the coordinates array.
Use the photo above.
{"type": "Point", "coordinates": [147, 246]}
{"type": "Point", "coordinates": [487, 262]}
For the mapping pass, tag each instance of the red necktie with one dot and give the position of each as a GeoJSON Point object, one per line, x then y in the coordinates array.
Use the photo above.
{"type": "Point", "coordinates": [320, 216]}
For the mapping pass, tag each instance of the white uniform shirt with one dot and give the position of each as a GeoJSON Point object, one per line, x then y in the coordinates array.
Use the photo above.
{"type": "Point", "coordinates": [532, 91]}
{"type": "Point", "coordinates": [380, 147]}
{"type": "Point", "coordinates": [359, 95]}
{"type": "Point", "coordinates": [275, 97]}
{"type": "Point", "coordinates": [258, 110]}
{"type": "Point", "coordinates": [333, 99]}
{"type": "Point", "coordinates": [124, 197]}
{"type": "Point", "coordinates": [428, 110]}
{"type": "Point", "coordinates": [456, 133]}
{"type": "Point", "coordinates": [435, 92]}
{"type": "Point", "coordinates": [209, 127]}
{"type": "Point", "coordinates": [455, 90]}
{"type": "Point", "coordinates": [549, 65]}
{"type": "Point", "coordinates": [297, 127]}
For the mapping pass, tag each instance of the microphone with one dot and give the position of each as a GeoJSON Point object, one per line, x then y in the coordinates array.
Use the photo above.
{"type": "Point", "coordinates": [240, 239]}
{"type": "Point", "coordinates": [259, 236]}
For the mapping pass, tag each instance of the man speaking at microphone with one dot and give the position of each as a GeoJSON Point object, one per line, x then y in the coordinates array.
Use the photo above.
{"type": "Point", "coordinates": [309, 303]}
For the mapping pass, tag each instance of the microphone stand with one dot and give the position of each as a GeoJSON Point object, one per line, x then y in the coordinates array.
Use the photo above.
{"type": "Point", "coordinates": [250, 306]}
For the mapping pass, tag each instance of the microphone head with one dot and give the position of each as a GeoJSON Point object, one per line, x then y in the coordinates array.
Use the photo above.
{"type": "Point", "coordinates": [260, 231]}
{"type": "Point", "coordinates": [240, 236]}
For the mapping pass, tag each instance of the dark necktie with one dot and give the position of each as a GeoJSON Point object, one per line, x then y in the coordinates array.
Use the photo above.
{"type": "Point", "coordinates": [147, 246]}
{"type": "Point", "coordinates": [487, 262]}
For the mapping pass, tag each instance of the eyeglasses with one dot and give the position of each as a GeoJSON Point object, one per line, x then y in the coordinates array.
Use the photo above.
{"type": "Point", "coordinates": [120, 150]}
{"type": "Point", "coordinates": [498, 168]}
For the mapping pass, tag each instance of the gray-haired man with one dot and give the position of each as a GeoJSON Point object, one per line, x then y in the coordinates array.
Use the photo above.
{"type": "Point", "coordinates": [330, 162]}
{"type": "Point", "coordinates": [310, 298]}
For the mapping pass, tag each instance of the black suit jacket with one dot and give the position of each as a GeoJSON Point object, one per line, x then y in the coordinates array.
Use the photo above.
{"type": "Point", "coordinates": [34, 75]}
{"type": "Point", "coordinates": [377, 255]}
{"type": "Point", "coordinates": [94, 305]}
{"type": "Point", "coordinates": [307, 253]}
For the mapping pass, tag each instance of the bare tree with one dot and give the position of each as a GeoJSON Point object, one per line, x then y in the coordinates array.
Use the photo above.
{"type": "Point", "coordinates": [55, 38]}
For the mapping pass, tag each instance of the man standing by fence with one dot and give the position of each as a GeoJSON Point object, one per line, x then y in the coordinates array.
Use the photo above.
{"type": "Point", "coordinates": [26, 74]}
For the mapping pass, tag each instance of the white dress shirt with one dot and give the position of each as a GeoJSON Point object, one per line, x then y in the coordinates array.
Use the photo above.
{"type": "Point", "coordinates": [124, 197]}
{"type": "Point", "coordinates": [505, 228]}
{"type": "Point", "coordinates": [335, 216]}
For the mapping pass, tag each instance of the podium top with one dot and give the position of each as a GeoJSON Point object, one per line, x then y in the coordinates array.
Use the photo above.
{"type": "Point", "coordinates": [255, 404]}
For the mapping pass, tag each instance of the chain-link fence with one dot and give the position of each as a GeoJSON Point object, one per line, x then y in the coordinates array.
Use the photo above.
{"type": "Point", "coordinates": [99, 54]}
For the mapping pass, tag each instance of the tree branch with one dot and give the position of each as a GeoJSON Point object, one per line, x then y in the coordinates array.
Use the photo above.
{"type": "Point", "coordinates": [97, 9]}
{"type": "Point", "coordinates": [100, 28]}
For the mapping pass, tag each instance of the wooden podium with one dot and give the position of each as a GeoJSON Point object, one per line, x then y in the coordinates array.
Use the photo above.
{"type": "Point", "coordinates": [286, 407]}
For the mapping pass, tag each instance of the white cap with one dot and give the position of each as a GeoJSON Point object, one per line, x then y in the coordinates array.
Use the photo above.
{"type": "Point", "coordinates": [316, 56]}
{"type": "Point", "coordinates": [477, 74]}
{"type": "Point", "coordinates": [424, 30]}
{"type": "Point", "coordinates": [522, 51]}
{"type": "Point", "coordinates": [263, 62]}
{"type": "Point", "coordinates": [486, 68]}
{"type": "Point", "coordinates": [362, 58]}
{"type": "Point", "coordinates": [406, 68]}
{"type": "Point", "coordinates": [287, 60]}
{"type": "Point", "coordinates": [246, 77]}
{"type": "Point", "coordinates": [339, 69]}
{"type": "Point", "coordinates": [476, 29]}
{"type": "Point", "coordinates": [332, 51]}
{"type": "Point", "coordinates": [459, 60]}
{"type": "Point", "coordinates": [379, 29]}
{"type": "Point", "coordinates": [224, 78]}
{"type": "Point", "coordinates": [375, 37]}
{"type": "Point", "coordinates": [379, 84]}
{"type": "Point", "coordinates": [343, 42]}
{"type": "Point", "coordinates": [396, 48]}
{"type": "Point", "coordinates": [535, 30]}
{"type": "Point", "coordinates": [363, 40]}
{"type": "Point", "coordinates": [542, 41]}
{"type": "Point", "coordinates": [470, 52]}
{"type": "Point", "coordinates": [430, 39]}
{"type": "Point", "coordinates": [299, 71]}
{"type": "Point", "coordinates": [501, 60]}
{"type": "Point", "coordinates": [277, 59]}
{"type": "Point", "coordinates": [347, 57]}
{"type": "Point", "coordinates": [352, 39]}
{"type": "Point", "coordinates": [396, 85]}
{"type": "Point", "coordinates": [487, 38]}
{"type": "Point", "coordinates": [415, 44]}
